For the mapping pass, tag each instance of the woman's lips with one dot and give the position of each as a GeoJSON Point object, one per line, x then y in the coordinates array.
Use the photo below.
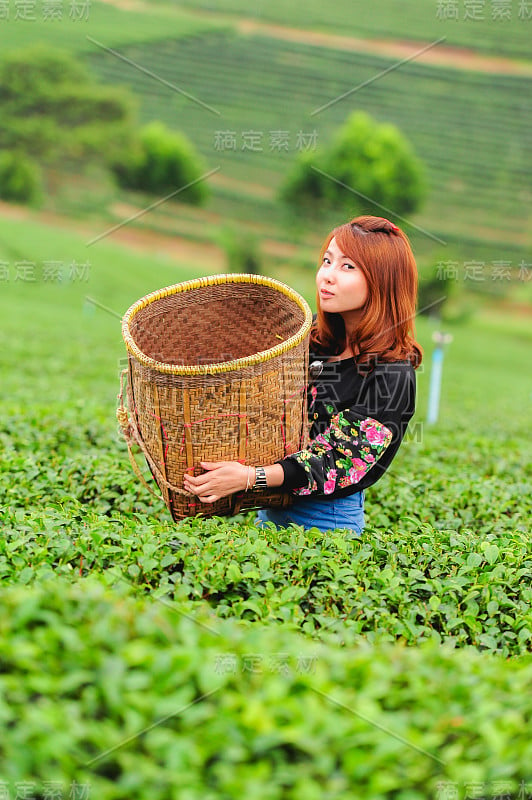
{"type": "Point", "coordinates": [325, 293]}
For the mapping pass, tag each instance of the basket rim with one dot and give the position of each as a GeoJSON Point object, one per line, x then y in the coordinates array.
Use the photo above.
{"type": "Point", "coordinates": [221, 366]}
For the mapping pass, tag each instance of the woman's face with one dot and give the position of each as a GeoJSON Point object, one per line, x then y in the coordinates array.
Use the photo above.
{"type": "Point", "coordinates": [342, 286]}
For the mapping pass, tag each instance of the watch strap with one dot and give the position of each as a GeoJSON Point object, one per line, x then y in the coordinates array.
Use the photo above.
{"type": "Point", "coordinates": [260, 479]}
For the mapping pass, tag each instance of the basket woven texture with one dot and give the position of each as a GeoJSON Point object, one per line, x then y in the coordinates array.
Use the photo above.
{"type": "Point", "coordinates": [217, 371]}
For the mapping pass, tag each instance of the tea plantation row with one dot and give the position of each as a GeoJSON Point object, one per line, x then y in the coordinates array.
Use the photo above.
{"type": "Point", "coordinates": [404, 585]}
{"type": "Point", "coordinates": [474, 140]}
{"type": "Point", "coordinates": [130, 697]}
{"type": "Point", "coordinates": [442, 557]}
{"type": "Point", "coordinates": [485, 27]}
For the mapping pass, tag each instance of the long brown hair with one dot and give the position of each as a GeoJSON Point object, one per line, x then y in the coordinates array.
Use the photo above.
{"type": "Point", "coordinates": [385, 331]}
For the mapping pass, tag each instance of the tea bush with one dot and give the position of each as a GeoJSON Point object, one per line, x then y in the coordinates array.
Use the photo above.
{"type": "Point", "coordinates": [137, 698]}
{"type": "Point", "coordinates": [409, 584]}
{"type": "Point", "coordinates": [113, 617]}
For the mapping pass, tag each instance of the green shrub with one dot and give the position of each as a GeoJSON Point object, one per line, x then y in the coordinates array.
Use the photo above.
{"type": "Point", "coordinates": [162, 161]}
{"type": "Point", "coordinates": [20, 178]}
{"type": "Point", "coordinates": [367, 166]}
{"type": "Point", "coordinates": [409, 584]}
{"type": "Point", "coordinates": [242, 251]}
{"type": "Point", "coordinates": [52, 109]}
{"type": "Point", "coordinates": [150, 700]}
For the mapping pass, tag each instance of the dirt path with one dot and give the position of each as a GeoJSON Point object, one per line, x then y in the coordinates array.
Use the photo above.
{"type": "Point", "coordinates": [441, 54]}
{"type": "Point", "coordinates": [145, 241]}
{"type": "Point", "coordinates": [172, 244]}
{"type": "Point", "coordinates": [461, 58]}
{"type": "Point", "coordinates": [244, 187]}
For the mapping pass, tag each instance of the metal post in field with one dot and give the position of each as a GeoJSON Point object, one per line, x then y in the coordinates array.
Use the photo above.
{"type": "Point", "coordinates": [440, 339]}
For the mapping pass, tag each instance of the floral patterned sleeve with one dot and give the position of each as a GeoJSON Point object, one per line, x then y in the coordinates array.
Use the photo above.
{"type": "Point", "coordinates": [343, 453]}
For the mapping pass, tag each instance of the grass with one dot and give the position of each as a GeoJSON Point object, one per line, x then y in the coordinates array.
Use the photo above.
{"type": "Point", "coordinates": [102, 21]}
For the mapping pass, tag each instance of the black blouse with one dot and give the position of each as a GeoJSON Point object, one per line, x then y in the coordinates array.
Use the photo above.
{"type": "Point", "coordinates": [357, 424]}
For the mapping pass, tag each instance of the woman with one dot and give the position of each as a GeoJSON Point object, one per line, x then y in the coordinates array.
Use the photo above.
{"type": "Point", "coordinates": [363, 384]}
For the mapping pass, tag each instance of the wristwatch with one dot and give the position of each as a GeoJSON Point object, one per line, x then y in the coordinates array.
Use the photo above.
{"type": "Point", "coordinates": [260, 479]}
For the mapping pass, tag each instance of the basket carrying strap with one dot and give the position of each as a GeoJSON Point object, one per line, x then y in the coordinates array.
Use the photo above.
{"type": "Point", "coordinates": [132, 436]}
{"type": "Point", "coordinates": [138, 473]}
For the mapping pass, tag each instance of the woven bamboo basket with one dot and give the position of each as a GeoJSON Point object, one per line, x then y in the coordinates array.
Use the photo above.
{"type": "Point", "coordinates": [217, 371]}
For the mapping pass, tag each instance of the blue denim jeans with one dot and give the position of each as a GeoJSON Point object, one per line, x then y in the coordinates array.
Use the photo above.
{"type": "Point", "coordinates": [346, 513]}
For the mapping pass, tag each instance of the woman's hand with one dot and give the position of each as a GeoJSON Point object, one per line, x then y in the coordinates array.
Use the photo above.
{"type": "Point", "coordinates": [222, 478]}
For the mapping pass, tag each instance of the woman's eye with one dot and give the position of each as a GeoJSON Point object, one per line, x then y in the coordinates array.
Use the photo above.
{"type": "Point", "coordinates": [350, 266]}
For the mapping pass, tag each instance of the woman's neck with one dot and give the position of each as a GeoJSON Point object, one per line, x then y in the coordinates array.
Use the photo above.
{"type": "Point", "coordinates": [351, 321]}
{"type": "Point", "coordinates": [346, 353]}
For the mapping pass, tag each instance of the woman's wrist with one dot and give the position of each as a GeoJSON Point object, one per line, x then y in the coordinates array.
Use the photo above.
{"type": "Point", "coordinates": [260, 479]}
{"type": "Point", "coordinates": [251, 477]}
{"type": "Point", "coordinates": [274, 475]}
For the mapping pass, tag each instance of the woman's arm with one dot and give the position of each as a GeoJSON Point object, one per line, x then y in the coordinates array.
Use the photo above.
{"type": "Point", "coordinates": [223, 478]}
{"type": "Point", "coordinates": [342, 455]}
{"type": "Point", "coordinates": [347, 453]}
{"type": "Point", "coordinates": [357, 443]}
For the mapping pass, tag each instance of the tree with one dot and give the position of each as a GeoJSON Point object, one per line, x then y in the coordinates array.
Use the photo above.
{"type": "Point", "coordinates": [367, 166]}
{"type": "Point", "coordinates": [20, 178]}
{"type": "Point", "coordinates": [51, 108]}
{"type": "Point", "coordinates": [161, 161]}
